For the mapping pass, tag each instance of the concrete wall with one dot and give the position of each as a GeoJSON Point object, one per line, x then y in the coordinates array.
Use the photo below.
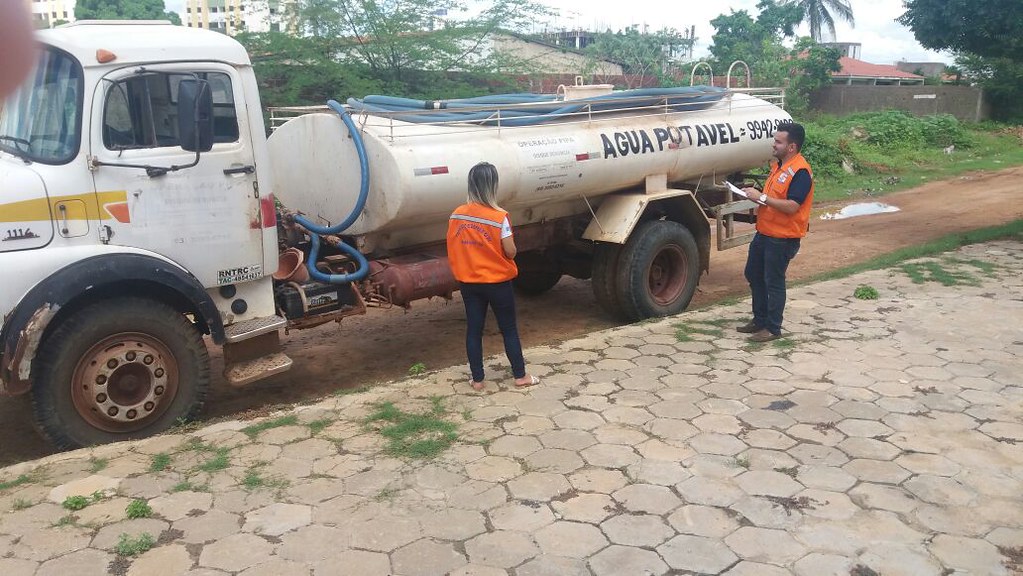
{"type": "Point", "coordinates": [964, 102]}
{"type": "Point", "coordinates": [550, 59]}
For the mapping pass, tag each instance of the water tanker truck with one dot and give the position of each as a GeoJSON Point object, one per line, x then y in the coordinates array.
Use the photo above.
{"type": "Point", "coordinates": [145, 215]}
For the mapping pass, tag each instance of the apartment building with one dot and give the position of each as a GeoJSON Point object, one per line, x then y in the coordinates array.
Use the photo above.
{"type": "Point", "coordinates": [49, 13]}
{"type": "Point", "coordinates": [233, 16]}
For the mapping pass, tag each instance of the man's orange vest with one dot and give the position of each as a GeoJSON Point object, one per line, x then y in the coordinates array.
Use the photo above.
{"type": "Point", "coordinates": [775, 223]}
{"type": "Point", "coordinates": [475, 253]}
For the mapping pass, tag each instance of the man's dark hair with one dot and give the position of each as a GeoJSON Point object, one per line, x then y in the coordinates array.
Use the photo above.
{"type": "Point", "coordinates": [796, 132]}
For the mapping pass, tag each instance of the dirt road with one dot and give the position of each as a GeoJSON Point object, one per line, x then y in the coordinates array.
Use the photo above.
{"type": "Point", "coordinates": [383, 344]}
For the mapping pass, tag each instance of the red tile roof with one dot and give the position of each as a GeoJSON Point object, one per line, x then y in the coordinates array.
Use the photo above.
{"type": "Point", "coordinates": [861, 69]}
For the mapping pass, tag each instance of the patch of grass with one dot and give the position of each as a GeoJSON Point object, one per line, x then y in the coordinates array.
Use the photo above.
{"type": "Point", "coordinates": [20, 480]}
{"type": "Point", "coordinates": [75, 503]}
{"type": "Point", "coordinates": [255, 429]}
{"type": "Point", "coordinates": [21, 504]}
{"type": "Point", "coordinates": [864, 292]}
{"type": "Point", "coordinates": [742, 461]}
{"type": "Point", "coordinates": [684, 332]}
{"type": "Point", "coordinates": [97, 464]}
{"type": "Point", "coordinates": [160, 462]}
{"type": "Point", "coordinates": [350, 391]}
{"type": "Point", "coordinates": [138, 508]}
{"type": "Point", "coordinates": [417, 369]}
{"type": "Point", "coordinates": [944, 244]}
{"type": "Point", "coordinates": [128, 546]}
{"type": "Point", "coordinates": [466, 414]}
{"type": "Point", "coordinates": [784, 343]}
{"type": "Point", "coordinates": [219, 461]}
{"type": "Point", "coordinates": [414, 435]}
{"type": "Point", "coordinates": [67, 520]}
{"type": "Point", "coordinates": [317, 426]}
{"type": "Point", "coordinates": [186, 486]}
{"type": "Point", "coordinates": [987, 268]}
{"type": "Point", "coordinates": [921, 272]}
{"type": "Point", "coordinates": [388, 494]}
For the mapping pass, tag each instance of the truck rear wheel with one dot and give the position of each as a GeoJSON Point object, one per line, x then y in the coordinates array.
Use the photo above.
{"type": "Point", "coordinates": [118, 370]}
{"type": "Point", "coordinates": [657, 270]}
{"type": "Point", "coordinates": [538, 273]}
{"type": "Point", "coordinates": [605, 277]}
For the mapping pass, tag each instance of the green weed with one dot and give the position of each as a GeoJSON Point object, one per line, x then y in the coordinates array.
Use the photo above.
{"type": "Point", "coordinates": [128, 546]}
{"type": "Point", "coordinates": [219, 461]}
{"type": "Point", "coordinates": [138, 508]}
{"type": "Point", "coordinates": [350, 391]}
{"type": "Point", "coordinates": [75, 503]}
{"type": "Point", "coordinates": [921, 272]}
{"type": "Point", "coordinates": [160, 462]}
{"type": "Point", "coordinates": [97, 464]}
{"type": "Point", "coordinates": [414, 435]}
{"type": "Point", "coordinates": [317, 426]}
{"type": "Point", "coordinates": [864, 292]}
{"type": "Point", "coordinates": [20, 480]}
{"type": "Point", "coordinates": [21, 504]}
{"type": "Point", "coordinates": [417, 369]}
{"type": "Point", "coordinates": [255, 429]}
{"type": "Point", "coordinates": [67, 520]}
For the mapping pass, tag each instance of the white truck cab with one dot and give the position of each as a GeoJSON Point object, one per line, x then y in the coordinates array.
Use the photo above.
{"type": "Point", "coordinates": [123, 238]}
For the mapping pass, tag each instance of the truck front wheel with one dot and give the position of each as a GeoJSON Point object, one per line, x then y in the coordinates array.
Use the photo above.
{"type": "Point", "coordinates": [117, 370]}
{"type": "Point", "coordinates": [657, 270]}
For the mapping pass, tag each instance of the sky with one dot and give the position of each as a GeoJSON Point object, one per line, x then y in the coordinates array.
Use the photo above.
{"type": "Point", "coordinates": [884, 41]}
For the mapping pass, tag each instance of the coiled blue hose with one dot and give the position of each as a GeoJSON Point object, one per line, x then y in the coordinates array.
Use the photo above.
{"type": "Point", "coordinates": [534, 109]}
{"type": "Point", "coordinates": [360, 203]}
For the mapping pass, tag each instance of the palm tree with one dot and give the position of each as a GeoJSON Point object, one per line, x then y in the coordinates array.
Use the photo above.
{"type": "Point", "coordinates": [818, 12]}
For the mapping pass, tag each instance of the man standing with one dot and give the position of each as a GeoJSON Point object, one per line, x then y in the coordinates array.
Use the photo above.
{"type": "Point", "coordinates": [782, 219]}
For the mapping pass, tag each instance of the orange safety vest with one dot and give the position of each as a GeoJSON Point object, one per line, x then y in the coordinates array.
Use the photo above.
{"type": "Point", "coordinates": [775, 223]}
{"type": "Point", "coordinates": [475, 253]}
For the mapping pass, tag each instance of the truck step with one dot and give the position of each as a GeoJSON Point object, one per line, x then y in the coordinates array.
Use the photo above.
{"type": "Point", "coordinates": [247, 372]}
{"type": "Point", "coordinates": [254, 327]}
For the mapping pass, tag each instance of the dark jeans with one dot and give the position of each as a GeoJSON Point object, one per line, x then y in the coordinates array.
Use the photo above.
{"type": "Point", "coordinates": [765, 271]}
{"type": "Point", "coordinates": [501, 298]}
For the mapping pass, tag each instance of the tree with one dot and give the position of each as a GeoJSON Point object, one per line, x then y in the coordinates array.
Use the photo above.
{"type": "Point", "coordinates": [819, 12]}
{"type": "Point", "coordinates": [641, 54]}
{"type": "Point", "coordinates": [992, 28]}
{"type": "Point", "coordinates": [397, 39]}
{"type": "Point", "coordinates": [1002, 81]}
{"type": "Point", "coordinates": [757, 42]}
{"type": "Point", "coordinates": [124, 10]}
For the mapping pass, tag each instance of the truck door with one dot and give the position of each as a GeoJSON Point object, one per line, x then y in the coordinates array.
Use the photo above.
{"type": "Point", "coordinates": [205, 217]}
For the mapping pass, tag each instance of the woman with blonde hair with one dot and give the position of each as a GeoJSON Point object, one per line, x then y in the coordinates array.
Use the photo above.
{"type": "Point", "coordinates": [481, 253]}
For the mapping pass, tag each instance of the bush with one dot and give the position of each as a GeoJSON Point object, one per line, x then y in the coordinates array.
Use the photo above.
{"type": "Point", "coordinates": [823, 149]}
{"type": "Point", "coordinates": [943, 130]}
{"type": "Point", "coordinates": [894, 129]}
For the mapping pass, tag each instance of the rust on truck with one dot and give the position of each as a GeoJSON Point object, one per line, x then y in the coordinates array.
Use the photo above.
{"type": "Point", "coordinates": [16, 372]}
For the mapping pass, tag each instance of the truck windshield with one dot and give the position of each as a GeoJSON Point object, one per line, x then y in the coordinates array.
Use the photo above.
{"type": "Point", "coordinates": [41, 120]}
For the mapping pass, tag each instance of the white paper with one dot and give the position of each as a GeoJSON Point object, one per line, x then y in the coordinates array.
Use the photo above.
{"type": "Point", "coordinates": [740, 192]}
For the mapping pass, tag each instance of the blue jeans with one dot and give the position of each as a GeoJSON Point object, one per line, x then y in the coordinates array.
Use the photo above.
{"type": "Point", "coordinates": [501, 298]}
{"type": "Point", "coordinates": [765, 271]}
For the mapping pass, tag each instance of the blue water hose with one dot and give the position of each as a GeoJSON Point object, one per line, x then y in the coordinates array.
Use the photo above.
{"type": "Point", "coordinates": [360, 203]}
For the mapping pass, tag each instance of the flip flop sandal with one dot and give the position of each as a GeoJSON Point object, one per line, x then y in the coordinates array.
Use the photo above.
{"type": "Point", "coordinates": [533, 381]}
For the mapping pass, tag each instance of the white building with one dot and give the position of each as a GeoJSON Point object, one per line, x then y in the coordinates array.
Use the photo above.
{"type": "Point", "coordinates": [47, 13]}
{"type": "Point", "coordinates": [233, 16]}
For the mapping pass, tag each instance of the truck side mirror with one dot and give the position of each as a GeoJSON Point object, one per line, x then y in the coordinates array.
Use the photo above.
{"type": "Point", "coordinates": [195, 115]}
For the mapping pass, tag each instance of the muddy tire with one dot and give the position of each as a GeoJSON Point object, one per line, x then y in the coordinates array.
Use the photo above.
{"type": "Point", "coordinates": [538, 273]}
{"type": "Point", "coordinates": [657, 270]}
{"type": "Point", "coordinates": [118, 370]}
{"type": "Point", "coordinates": [605, 278]}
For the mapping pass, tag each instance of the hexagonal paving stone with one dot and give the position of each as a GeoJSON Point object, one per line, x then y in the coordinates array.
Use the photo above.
{"type": "Point", "coordinates": [578, 420]}
{"type": "Point", "coordinates": [568, 439]}
{"type": "Point", "coordinates": [540, 486]}
{"type": "Point", "coordinates": [236, 553]}
{"type": "Point", "coordinates": [355, 562]}
{"type": "Point", "coordinates": [547, 565]}
{"type": "Point", "coordinates": [84, 562]}
{"type": "Point", "coordinates": [968, 554]}
{"type": "Point", "coordinates": [764, 545]}
{"type": "Point", "coordinates": [620, 434]}
{"type": "Point", "coordinates": [570, 539]}
{"type": "Point", "coordinates": [696, 554]}
{"type": "Point", "coordinates": [514, 446]}
{"type": "Point", "coordinates": [932, 464]}
{"type": "Point", "coordinates": [593, 508]}
{"type": "Point", "coordinates": [719, 444]}
{"type": "Point", "coordinates": [502, 549]}
{"type": "Point", "coordinates": [940, 490]}
{"type": "Point", "coordinates": [277, 519]}
{"type": "Point", "coordinates": [817, 564]}
{"type": "Point", "coordinates": [659, 472]}
{"type": "Point", "coordinates": [824, 504]}
{"type": "Point", "coordinates": [521, 516]}
{"type": "Point", "coordinates": [554, 460]}
{"type": "Point", "coordinates": [637, 530]}
{"type": "Point", "coordinates": [768, 483]}
{"type": "Point", "coordinates": [385, 533]}
{"type": "Point", "coordinates": [863, 428]}
{"type": "Point", "coordinates": [426, 558]}
{"type": "Point", "coordinates": [647, 498]}
{"type": "Point", "coordinates": [709, 491]}
{"type": "Point", "coordinates": [858, 447]}
{"type": "Point", "coordinates": [610, 456]}
{"type": "Point", "coordinates": [703, 521]}
{"type": "Point", "coordinates": [620, 560]}
{"type": "Point", "coordinates": [877, 471]}
{"type": "Point", "coordinates": [887, 558]}
{"type": "Point", "coordinates": [453, 524]}
{"type": "Point", "coordinates": [818, 455]}
{"type": "Point", "coordinates": [313, 543]}
{"type": "Point", "coordinates": [770, 512]}
{"type": "Point", "coordinates": [598, 480]}
{"type": "Point", "coordinates": [493, 469]}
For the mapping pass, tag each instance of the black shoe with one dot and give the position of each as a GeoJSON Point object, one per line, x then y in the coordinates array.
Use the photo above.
{"type": "Point", "coordinates": [763, 336]}
{"type": "Point", "coordinates": [748, 328]}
